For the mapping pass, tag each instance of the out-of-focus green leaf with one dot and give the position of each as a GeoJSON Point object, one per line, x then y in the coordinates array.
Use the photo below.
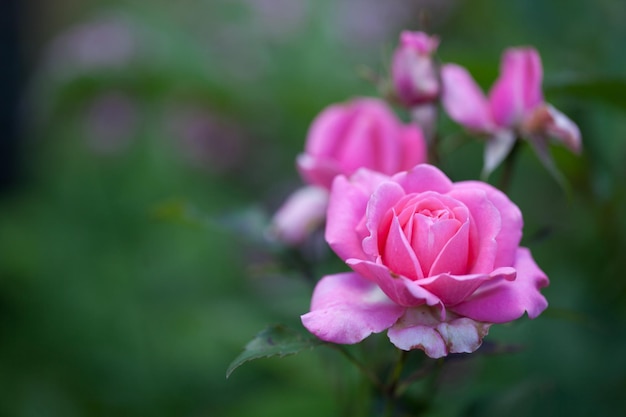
{"type": "Point", "coordinates": [277, 340]}
{"type": "Point", "coordinates": [609, 89]}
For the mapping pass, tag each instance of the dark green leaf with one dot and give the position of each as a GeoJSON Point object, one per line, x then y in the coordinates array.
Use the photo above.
{"type": "Point", "coordinates": [276, 340]}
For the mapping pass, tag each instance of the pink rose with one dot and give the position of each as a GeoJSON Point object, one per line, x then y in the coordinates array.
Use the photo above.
{"type": "Point", "coordinates": [413, 69]}
{"type": "Point", "coordinates": [435, 262]}
{"type": "Point", "coordinates": [362, 133]}
{"type": "Point", "coordinates": [515, 107]}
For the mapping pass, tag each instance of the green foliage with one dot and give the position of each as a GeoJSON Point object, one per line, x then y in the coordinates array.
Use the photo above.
{"type": "Point", "coordinates": [276, 340]}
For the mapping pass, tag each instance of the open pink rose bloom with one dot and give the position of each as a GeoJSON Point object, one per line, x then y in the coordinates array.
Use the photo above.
{"type": "Point", "coordinates": [514, 107]}
{"type": "Point", "coordinates": [435, 263]}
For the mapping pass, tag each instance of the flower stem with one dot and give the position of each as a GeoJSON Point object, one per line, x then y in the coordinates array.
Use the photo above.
{"type": "Point", "coordinates": [509, 164]}
{"type": "Point", "coordinates": [367, 372]}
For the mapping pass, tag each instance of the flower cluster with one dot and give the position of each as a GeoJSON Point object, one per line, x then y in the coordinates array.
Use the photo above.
{"type": "Point", "coordinates": [435, 263]}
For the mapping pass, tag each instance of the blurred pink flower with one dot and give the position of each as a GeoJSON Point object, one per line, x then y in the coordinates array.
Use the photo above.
{"type": "Point", "coordinates": [362, 133]}
{"type": "Point", "coordinates": [435, 262]}
{"type": "Point", "coordinates": [344, 137]}
{"type": "Point", "coordinates": [111, 122]}
{"type": "Point", "coordinates": [413, 70]}
{"type": "Point", "coordinates": [107, 42]}
{"type": "Point", "coordinates": [515, 107]}
{"type": "Point", "coordinates": [207, 139]}
{"type": "Point", "coordinates": [302, 213]}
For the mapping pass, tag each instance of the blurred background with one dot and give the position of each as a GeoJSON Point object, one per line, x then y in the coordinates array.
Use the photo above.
{"type": "Point", "coordinates": [145, 144]}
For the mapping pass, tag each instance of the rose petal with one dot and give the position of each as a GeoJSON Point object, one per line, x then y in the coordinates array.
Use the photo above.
{"type": "Point", "coordinates": [414, 149]}
{"type": "Point", "coordinates": [510, 224]}
{"type": "Point", "coordinates": [502, 300]}
{"type": "Point", "coordinates": [463, 335]}
{"type": "Point", "coordinates": [401, 290]}
{"type": "Point", "coordinates": [347, 205]}
{"type": "Point", "coordinates": [453, 289]}
{"type": "Point", "coordinates": [398, 254]}
{"type": "Point", "coordinates": [332, 122]}
{"type": "Point", "coordinates": [464, 101]}
{"type": "Point", "coordinates": [497, 148]}
{"type": "Point", "coordinates": [423, 178]}
{"type": "Point", "coordinates": [421, 328]}
{"type": "Point", "coordinates": [453, 256]}
{"type": "Point", "coordinates": [317, 171]}
{"type": "Point", "coordinates": [518, 89]}
{"type": "Point", "coordinates": [382, 200]}
{"type": "Point", "coordinates": [346, 308]}
{"type": "Point", "coordinates": [563, 130]}
{"type": "Point", "coordinates": [303, 212]}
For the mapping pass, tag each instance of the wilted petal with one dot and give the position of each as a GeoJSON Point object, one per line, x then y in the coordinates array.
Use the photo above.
{"type": "Point", "coordinates": [518, 89]}
{"type": "Point", "coordinates": [547, 122]}
{"type": "Point", "coordinates": [464, 101]}
{"type": "Point", "coordinates": [421, 328]}
{"type": "Point", "coordinates": [504, 301]}
{"type": "Point", "coordinates": [463, 335]}
{"type": "Point", "coordinates": [346, 308]}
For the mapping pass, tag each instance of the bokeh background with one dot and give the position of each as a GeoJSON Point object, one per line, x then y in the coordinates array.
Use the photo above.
{"type": "Point", "coordinates": [145, 144]}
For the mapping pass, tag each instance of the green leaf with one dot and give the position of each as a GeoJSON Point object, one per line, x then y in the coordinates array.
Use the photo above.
{"type": "Point", "coordinates": [276, 340]}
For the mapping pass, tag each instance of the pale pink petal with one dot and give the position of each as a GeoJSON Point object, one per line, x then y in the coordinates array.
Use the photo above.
{"type": "Point", "coordinates": [464, 101]}
{"type": "Point", "coordinates": [518, 89]}
{"type": "Point", "coordinates": [502, 301]}
{"type": "Point", "coordinates": [346, 308]}
{"type": "Point", "coordinates": [346, 208]}
{"type": "Point", "coordinates": [303, 212]}
{"type": "Point", "coordinates": [510, 224]}
{"type": "Point", "coordinates": [422, 328]}
{"type": "Point", "coordinates": [423, 178]}
{"type": "Point", "coordinates": [563, 130]}
{"type": "Point", "coordinates": [419, 337]}
{"type": "Point", "coordinates": [497, 148]}
{"type": "Point", "coordinates": [463, 335]}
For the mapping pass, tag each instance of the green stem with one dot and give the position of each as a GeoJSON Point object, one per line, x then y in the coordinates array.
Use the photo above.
{"type": "Point", "coordinates": [509, 164]}
{"type": "Point", "coordinates": [368, 373]}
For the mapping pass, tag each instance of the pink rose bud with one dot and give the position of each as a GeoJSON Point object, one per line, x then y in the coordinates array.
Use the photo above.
{"type": "Point", "coordinates": [435, 263]}
{"type": "Point", "coordinates": [362, 133]}
{"type": "Point", "coordinates": [303, 212]}
{"type": "Point", "coordinates": [413, 69]}
{"type": "Point", "coordinates": [515, 107]}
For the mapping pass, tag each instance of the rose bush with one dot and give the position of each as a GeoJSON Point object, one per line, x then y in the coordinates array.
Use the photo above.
{"type": "Point", "coordinates": [435, 262]}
